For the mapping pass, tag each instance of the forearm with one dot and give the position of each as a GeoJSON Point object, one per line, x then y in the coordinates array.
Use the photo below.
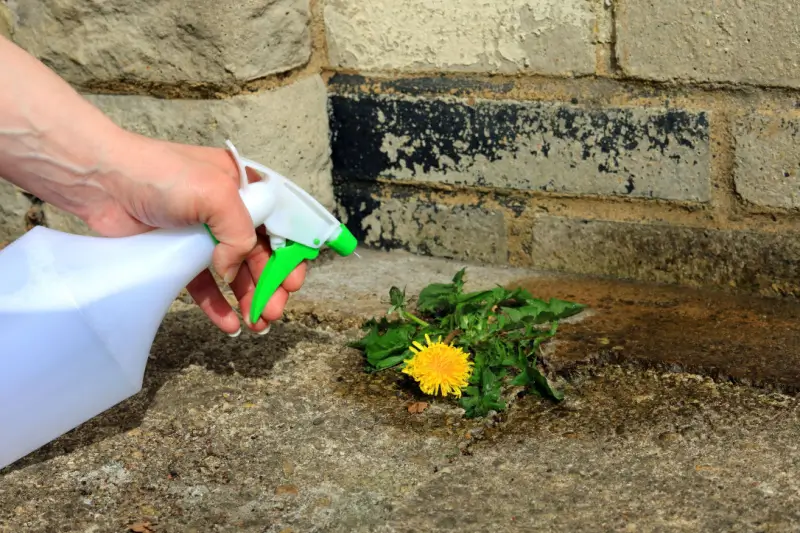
{"type": "Point", "coordinates": [53, 142]}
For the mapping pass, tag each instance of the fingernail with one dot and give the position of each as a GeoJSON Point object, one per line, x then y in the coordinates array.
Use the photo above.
{"type": "Point", "coordinates": [231, 275]}
{"type": "Point", "coordinates": [266, 330]}
{"type": "Point", "coordinates": [234, 335]}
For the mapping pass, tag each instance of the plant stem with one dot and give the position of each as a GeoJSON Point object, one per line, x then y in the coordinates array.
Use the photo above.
{"type": "Point", "coordinates": [415, 319]}
{"type": "Point", "coordinates": [451, 336]}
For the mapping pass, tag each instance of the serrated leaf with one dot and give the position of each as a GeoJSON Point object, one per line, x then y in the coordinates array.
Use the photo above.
{"type": "Point", "coordinates": [392, 361]}
{"type": "Point", "coordinates": [386, 339]}
{"type": "Point", "coordinates": [500, 328]}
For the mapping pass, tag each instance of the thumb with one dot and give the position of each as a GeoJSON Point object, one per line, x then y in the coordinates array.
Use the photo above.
{"type": "Point", "coordinates": [229, 221]}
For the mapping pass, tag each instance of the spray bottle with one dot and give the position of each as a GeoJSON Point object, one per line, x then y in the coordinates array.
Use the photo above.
{"type": "Point", "coordinates": [79, 314]}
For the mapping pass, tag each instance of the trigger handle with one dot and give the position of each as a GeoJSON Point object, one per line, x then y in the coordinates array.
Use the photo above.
{"type": "Point", "coordinates": [281, 263]}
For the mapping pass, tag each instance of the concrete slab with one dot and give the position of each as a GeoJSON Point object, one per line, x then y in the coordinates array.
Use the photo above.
{"type": "Point", "coordinates": [285, 433]}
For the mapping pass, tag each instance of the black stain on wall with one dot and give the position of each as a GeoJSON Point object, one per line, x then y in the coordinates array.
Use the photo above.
{"type": "Point", "coordinates": [440, 134]}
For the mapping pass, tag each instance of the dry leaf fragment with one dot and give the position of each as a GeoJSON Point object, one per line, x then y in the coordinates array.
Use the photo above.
{"type": "Point", "coordinates": [417, 407]}
{"type": "Point", "coordinates": [141, 527]}
{"type": "Point", "coordinates": [286, 489]}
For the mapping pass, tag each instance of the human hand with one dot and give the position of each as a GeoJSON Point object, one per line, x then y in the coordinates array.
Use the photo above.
{"type": "Point", "coordinates": [59, 147]}
{"type": "Point", "coordinates": [167, 185]}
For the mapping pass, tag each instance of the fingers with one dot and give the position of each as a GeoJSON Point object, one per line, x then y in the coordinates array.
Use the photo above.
{"type": "Point", "coordinates": [243, 287]}
{"type": "Point", "coordinates": [203, 289]}
{"type": "Point", "coordinates": [276, 305]}
{"type": "Point", "coordinates": [294, 281]}
{"type": "Point", "coordinates": [230, 223]}
{"type": "Point", "coordinates": [245, 283]}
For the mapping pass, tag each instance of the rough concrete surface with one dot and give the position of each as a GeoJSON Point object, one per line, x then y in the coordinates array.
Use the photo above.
{"type": "Point", "coordinates": [664, 253]}
{"type": "Point", "coordinates": [710, 40]}
{"type": "Point", "coordinates": [768, 160]}
{"type": "Point", "coordinates": [543, 36]}
{"type": "Point", "coordinates": [553, 147]}
{"type": "Point", "coordinates": [285, 433]}
{"type": "Point", "coordinates": [220, 41]}
{"type": "Point", "coordinates": [285, 129]}
{"type": "Point", "coordinates": [13, 207]}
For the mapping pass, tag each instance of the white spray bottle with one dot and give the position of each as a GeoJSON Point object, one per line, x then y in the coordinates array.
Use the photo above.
{"type": "Point", "coordinates": [79, 314]}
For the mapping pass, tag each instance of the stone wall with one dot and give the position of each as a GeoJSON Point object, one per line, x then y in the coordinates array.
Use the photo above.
{"type": "Point", "coordinates": [647, 139]}
{"type": "Point", "coordinates": [654, 140]}
{"type": "Point", "coordinates": [196, 72]}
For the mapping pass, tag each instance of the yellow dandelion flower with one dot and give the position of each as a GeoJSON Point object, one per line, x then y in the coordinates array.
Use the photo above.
{"type": "Point", "coordinates": [439, 367]}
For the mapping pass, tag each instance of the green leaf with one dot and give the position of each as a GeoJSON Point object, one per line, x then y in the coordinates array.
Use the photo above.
{"type": "Point", "coordinates": [386, 339]}
{"type": "Point", "coordinates": [392, 361]}
{"type": "Point", "coordinates": [540, 312]}
{"type": "Point", "coordinates": [545, 388]}
{"type": "Point", "coordinates": [440, 297]}
{"type": "Point", "coordinates": [397, 298]}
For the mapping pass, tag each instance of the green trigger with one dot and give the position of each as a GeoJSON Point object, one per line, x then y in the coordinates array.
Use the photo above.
{"type": "Point", "coordinates": [282, 262]}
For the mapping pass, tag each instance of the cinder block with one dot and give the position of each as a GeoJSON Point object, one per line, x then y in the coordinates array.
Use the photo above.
{"type": "Point", "coordinates": [505, 36]}
{"type": "Point", "coordinates": [168, 41]}
{"type": "Point", "coordinates": [710, 40]}
{"type": "Point", "coordinates": [662, 253]}
{"type": "Point", "coordinates": [13, 207]}
{"type": "Point", "coordinates": [285, 129]}
{"type": "Point", "coordinates": [767, 171]}
{"type": "Point", "coordinates": [536, 146]}
{"type": "Point", "coordinates": [394, 220]}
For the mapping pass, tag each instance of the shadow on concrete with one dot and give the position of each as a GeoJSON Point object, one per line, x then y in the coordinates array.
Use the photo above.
{"type": "Point", "coordinates": [185, 338]}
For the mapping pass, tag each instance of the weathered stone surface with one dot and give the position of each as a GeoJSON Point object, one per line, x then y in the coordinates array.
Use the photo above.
{"type": "Point", "coordinates": [544, 36]}
{"type": "Point", "coordinates": [768, 160]}
{"type": "Point", "coordinates": [13, 207]}
{"type": "Point", "coordinates": [6, 26]}
{"type": "Point", "coordinates": [285, 129]}
{"type": "Point", "coordinates": [63, 221]}
{"type": "Point", "coordinates": [338, 293]}
{"type": "Point", "coordinates": [631, 451]}
{"type": "Point", "coordinates": [414, 224]}
{"type": "Point", "coordinates": [664, 253]}
{"type": "Point", "coordinates": [705, 41]}
{"type": "Point", "coordinates": [166, 41]}
{"type": "Point", "coordinates": [558, 148]}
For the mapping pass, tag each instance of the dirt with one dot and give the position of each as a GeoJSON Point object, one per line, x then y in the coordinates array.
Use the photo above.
{"type": "Point", "coordinates": [749, 339]}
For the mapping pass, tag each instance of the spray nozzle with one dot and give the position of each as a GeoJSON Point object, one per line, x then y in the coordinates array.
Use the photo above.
{"type": "Point", "coordinates": [297, 224]}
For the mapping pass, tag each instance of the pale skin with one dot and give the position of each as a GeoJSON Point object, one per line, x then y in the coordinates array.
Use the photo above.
{"type": "Point", "coordinates": [56, 145]}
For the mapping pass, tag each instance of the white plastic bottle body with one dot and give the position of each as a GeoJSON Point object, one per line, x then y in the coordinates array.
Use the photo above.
{"type": "Point", "coordinates": [78, 316]}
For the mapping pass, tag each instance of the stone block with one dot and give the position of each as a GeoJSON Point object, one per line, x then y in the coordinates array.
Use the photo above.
{"type": "Point", "coordinates": [6, 25]}
{"type": "Point", "coordinates": [767, 171]}
{"type": "Point", "coordinates": [543, 36]}
{"type": "Point", "coordinates": [61, 220]}
{"type": "Point", "coordinates": [394, 220]}
{"type": "Point", "coordinates": [13, 208]}
{"type": "Point", "coordinates": [662, 253]}
{"type": "Point", "coordinates": [285, 129]}
{"type": "Point", "coordinates": [710, 41]}
{"type": "Point", "coordinates": [169, 41]}
{"type": "Point", "coordinates": [536, 146]}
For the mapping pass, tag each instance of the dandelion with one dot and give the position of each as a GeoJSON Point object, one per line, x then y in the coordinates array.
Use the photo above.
{"type": "Point", "coordinates": [439, 367]}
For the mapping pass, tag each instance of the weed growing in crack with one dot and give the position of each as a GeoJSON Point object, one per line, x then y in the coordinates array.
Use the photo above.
{"type": "Point", "coordinates": [490, 343]}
